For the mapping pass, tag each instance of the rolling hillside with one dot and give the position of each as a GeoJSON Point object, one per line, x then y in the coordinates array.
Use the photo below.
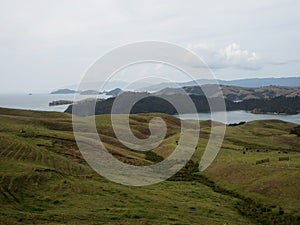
{"type": "Point", "coordinates": [45, 180]}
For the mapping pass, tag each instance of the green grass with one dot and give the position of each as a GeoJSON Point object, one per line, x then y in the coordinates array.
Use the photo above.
{"type": "Point", "coordinates": [45, 180]}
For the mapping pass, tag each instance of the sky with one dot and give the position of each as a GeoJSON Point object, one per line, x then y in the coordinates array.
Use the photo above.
{"type": "Point", "coordinates": [48, 44]}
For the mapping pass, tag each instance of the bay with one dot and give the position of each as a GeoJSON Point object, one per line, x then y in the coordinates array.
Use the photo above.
{"type": "Point", "coordinates": [239, 116]}
{"type": "Point", "coordinates": [40, 101]}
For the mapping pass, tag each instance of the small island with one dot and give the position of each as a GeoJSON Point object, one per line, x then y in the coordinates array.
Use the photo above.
{"type": "Point", "coordinates": [63, 91]}
{"type": "Point", "coordinates": [90, 92]}
{"type": "Point", "coordinates": [60, 102]}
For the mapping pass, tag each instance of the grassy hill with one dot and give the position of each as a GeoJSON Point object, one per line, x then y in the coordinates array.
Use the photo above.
{"type": "Point", "coordinates": [45, 180]}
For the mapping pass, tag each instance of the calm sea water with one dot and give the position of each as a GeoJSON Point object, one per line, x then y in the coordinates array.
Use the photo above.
{"type": "Point", "coordinates": [41, 102]}
{"type": "Point", "coordinates": [239, 116]}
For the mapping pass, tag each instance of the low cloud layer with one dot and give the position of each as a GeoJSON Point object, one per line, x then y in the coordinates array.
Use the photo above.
{"type": "Point", "coordinates": [231, 56]}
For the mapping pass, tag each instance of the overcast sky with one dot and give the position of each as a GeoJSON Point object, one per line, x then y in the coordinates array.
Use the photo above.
{"type": "Point", "coordinates": [47, 44]}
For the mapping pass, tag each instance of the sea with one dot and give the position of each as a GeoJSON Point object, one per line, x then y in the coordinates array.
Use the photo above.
{"type": "Point", "coordinates": [239, 116]}
{"type": "Point", "coordinates": [41, 102]}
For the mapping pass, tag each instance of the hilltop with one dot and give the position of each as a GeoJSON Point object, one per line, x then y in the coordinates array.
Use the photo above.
{"type": "Point", "coordinates": [234, 93]}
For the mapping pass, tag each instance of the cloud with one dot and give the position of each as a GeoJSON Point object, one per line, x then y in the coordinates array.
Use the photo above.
{"type": "Point", "coordinates": [231, 56]}
{"type": "Point", "coordinates": [57, 40]}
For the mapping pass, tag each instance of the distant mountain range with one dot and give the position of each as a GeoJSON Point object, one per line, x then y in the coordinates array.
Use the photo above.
{"type": "Point", "coordinates": [253, 82]}
{"type": "Point", "coordinates": [143, 86]}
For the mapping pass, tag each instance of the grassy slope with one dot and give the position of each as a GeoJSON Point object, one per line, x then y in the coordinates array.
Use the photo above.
{"type": "Point", "coordinates": [276, 182]}
{"type": "Point", "coordinates": [44, 179]}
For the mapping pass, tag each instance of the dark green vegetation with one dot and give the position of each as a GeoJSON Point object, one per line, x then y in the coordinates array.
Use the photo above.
{"type": "Point", "coordinates": [60, 102]}
{"type": "Point", "coordinates": [279, 105]}
{"type": "Point", "coordinates": [44, 179]}
{"type": "Point", "coordinates": [150, 103]}
{"type": "Point", "coordinates": [296, 130]}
